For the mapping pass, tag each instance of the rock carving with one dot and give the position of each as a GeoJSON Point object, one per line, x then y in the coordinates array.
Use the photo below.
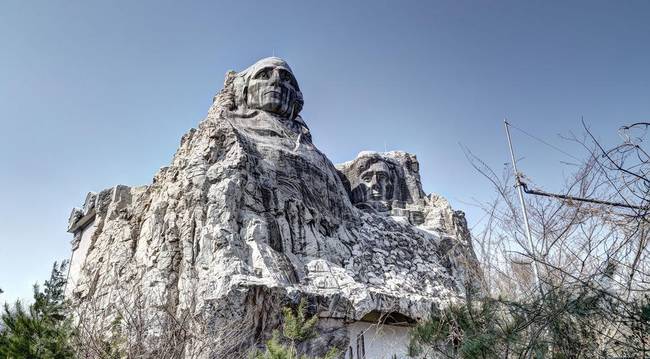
{"type": "Point", "coordinates": [268, 85]}
{"type": "Point", "coordinates": [250, 216]}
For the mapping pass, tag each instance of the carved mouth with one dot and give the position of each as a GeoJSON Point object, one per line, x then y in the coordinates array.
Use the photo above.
{"type": "Point", "coordinates": [273, 91]}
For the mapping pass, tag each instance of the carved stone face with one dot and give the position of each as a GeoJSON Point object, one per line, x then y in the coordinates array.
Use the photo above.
{"type": "Point", "coordinates": [273, 88]}
{"type": "Point", "coordinates": [377, 182]}
{"type": "Point", "coordinates": [382, 182]}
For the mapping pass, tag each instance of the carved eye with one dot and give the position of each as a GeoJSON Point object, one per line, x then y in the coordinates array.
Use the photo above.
{"type": "Point", "coordinates": [263, 74]}
{"type": "Point", "coordinates": [287, 76]}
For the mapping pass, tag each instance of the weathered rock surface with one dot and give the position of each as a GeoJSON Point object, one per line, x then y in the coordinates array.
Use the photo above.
{"type": "Point", "coordinates": [250, 216]}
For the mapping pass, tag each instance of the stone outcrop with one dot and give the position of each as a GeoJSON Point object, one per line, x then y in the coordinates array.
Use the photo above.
{"type": "Point", "coordinates": [250, 216]}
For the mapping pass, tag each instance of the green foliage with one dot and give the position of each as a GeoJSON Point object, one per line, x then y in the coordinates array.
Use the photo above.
{"type": "Point", "coordinates": [112, 346]}
{"type": "Point", "coordinates": [470, 330]}
{"type": "Point", "coordinates": [40, 330]}
{"type": "Point", "coordinates": [296, 328]}
{"type": "Point", "coordinates": [567, 322]}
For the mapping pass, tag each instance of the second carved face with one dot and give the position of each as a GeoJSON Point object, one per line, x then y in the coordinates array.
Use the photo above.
{"type": "Point", "coordinates": [377, 182]}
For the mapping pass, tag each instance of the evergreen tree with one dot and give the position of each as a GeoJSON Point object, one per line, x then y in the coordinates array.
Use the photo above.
{"type": "Point", "coordinates": [296, 328]}
{"type": "Point", "coordinates": [40, 330]}
{"type": "Point", "coordinates": [3, 336]}
{"type": "Point", "coordinates": [566, 322]}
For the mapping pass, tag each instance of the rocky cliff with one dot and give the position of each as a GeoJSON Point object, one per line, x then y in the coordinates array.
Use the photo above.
{"type": "Point", "coordinates": [250, 216]}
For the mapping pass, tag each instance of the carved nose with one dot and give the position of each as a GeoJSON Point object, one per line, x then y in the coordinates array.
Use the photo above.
{"type": "Point", "coordinates": [275, 77]}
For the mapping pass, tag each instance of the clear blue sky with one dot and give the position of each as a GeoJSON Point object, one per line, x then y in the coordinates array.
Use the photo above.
{"type": "Point", "coordinates": [98, 93]}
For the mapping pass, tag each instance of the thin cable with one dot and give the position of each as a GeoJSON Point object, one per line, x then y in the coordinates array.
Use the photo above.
{"type": "Point", "coordinates": [544, 142]}
{"type": "Point", "coordinates": [567, 197]}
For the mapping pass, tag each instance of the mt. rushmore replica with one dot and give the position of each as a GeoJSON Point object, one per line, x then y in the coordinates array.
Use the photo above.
{"type": "Point", "coordinates": [250, 217]}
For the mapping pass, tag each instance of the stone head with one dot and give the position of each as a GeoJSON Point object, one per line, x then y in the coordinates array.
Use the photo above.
{"type": "Point", "coordinates": [373, 181]}
{"type": "Point", "coordinates": [377, 182]}
{"type": "Point", "coordinates": [269, 85]}
{"type": "Point", "coordinates": [382, 181]}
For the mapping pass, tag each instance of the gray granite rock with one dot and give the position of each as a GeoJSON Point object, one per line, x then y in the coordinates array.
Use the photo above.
{"type": "Point", "coordinates": [250, 216]}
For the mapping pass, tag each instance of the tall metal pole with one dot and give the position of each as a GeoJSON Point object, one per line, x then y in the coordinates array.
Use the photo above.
{"type": "Point", "coordinates": [523, 209]}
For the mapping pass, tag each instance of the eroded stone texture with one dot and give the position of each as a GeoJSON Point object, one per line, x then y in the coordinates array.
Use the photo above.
{"type": "Point", "coordinates": [250, 216]}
